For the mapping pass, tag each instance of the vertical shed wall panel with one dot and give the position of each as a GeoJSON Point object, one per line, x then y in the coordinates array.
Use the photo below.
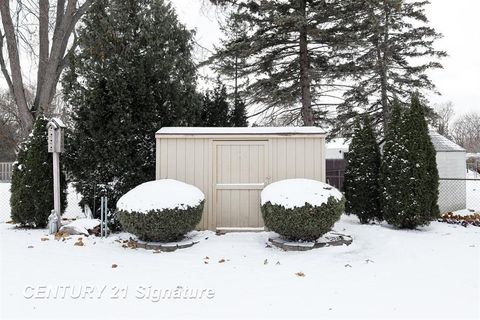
{"type": "Point", "coordinates": [191, 160]}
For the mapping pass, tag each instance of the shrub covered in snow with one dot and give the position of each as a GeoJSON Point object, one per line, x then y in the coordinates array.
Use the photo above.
{"type": "Point", "coordinates": [301, 209]}
{"type": "Point", "coordinates": [161, 210]}
{"type": "Point", "coordinates": [32, 180]}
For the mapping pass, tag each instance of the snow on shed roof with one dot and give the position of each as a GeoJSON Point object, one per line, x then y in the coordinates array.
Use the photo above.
{"type": "Point", "coordinates": [442, 144]}
{"type": "Point", "coordinates": [238, 130]}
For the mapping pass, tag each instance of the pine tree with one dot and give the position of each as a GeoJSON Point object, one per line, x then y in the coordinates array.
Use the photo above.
{"type": "Point", "coordinates": [238, 114]}
{"type": "Point", "coordinates": [215, 108]}
{"type": "Point", "coordinates": [132, 73]}
{"type": "Point", "coordinates": [291, 52]}
{"type": "Point", "coordinates": [32, 180]}
{"type": "Point", "coordinates": [395, 49]}
{"type": "Point", "coordinates": [410, 175]}
{"type": "Point", "coordinates": [362, 184]}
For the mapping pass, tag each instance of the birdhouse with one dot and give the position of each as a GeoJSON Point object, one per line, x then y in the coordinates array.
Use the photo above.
{"type": "Point", "coordinates": [56, 134]}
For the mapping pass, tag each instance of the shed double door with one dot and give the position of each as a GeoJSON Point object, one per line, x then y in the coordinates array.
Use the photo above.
{"type": "Point", "coordinates": [239, 175]}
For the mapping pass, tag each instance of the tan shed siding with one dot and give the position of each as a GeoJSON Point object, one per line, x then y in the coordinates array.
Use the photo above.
{"type": "Point", "coordinates": [191, 159]}
{"type": "Point", "coordinates": [297, 158]}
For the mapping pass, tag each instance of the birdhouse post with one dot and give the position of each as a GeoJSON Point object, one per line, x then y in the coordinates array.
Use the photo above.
{"type": "Point", "coordinates": [56, 133]}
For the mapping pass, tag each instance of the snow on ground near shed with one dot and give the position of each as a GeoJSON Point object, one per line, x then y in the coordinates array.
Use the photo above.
{"type": "Point", "coordinates": [160, 195]}
{"type": "Point", "coordinates": [432, 273]}
{"type": "Point", "coordinates": [292, 193]}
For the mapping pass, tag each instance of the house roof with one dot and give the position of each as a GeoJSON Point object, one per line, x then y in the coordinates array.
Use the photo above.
{"type": "Point", "coordinates": [442, 144]}
{"type": "Point", "coordinates": [238, 130]}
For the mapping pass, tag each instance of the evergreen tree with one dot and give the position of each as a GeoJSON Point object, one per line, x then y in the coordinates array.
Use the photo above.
{"type": "Point", "coordinates": [291, 52]}
{"type": "Point", "coordinates": [394, 51]}
{"type": "Point", "coordinates": [362, 180]}
{"type": "Point", "coordinates": [31, 198]}
{"type": "Point", "coordinates": [411, 183]}
{"type": "Point", "coordinates": [394, 169]}
{"type": "Point", "coordinates": [132, 73]}
{"type": "Point", "coordinates": [215, 108]}
{"type": "Point", "coordinates": [238, 114]}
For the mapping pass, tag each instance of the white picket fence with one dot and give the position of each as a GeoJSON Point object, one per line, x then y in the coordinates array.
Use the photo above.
{"type": "Point", "coordinates": [6, 171]}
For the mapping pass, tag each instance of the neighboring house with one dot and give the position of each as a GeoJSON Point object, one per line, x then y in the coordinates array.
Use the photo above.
{"type": "Point", "coordinates": [450, 163]}
{"type": "Point", "coordinates": [337, 148]}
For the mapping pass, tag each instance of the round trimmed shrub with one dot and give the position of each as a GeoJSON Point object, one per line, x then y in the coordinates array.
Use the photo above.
{"type": "Point", "coordinates": [301, 209]}
{"type": "Point", "coordinates": [161, 210]}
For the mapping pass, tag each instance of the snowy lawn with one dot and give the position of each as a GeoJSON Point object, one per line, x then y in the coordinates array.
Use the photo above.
{"type": "Point", "coordinates": [433, 272]}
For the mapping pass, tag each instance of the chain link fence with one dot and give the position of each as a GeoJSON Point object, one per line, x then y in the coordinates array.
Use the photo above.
{"type": "Point", "coordinates": [457, 194]}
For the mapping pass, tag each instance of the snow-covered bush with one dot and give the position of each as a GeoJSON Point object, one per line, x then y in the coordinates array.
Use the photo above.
{"type": "Point", "coordinates": [161, 210]}
{"type": "Point", "coordinates": [301, 209]}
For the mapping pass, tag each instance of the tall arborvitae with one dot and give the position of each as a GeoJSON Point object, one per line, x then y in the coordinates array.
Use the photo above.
{"type": "Point", "coordinates": [424, 182]}
{"type": "Point", "coordinates": [394, 170]}
{"type": "Point", "coordinates": [215, 108]}
{"type": "Point", "coordinates": [410, 175]}
{"type": "Point", "coordinates": [132, 73]}
{"type": "Point", "coordinates": [395, 51]}
{"type": "Point", "coordinates": [362, 175]}
{"type": "Point", "coordinates": [32, 180]}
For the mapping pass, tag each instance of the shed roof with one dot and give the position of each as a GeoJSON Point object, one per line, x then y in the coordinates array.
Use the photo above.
{"type": "Point", "coordinates": [442, 144]}
{"type": "Point", "coordinates": [239, 131]}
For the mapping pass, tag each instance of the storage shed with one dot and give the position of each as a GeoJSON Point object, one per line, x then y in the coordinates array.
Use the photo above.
{"type": "Point", "coordinates": [451, 166]}
{"type": "Point", "coordinates": [232, 166]}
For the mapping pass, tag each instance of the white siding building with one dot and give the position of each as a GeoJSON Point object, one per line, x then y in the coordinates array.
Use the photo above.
{"type": "Point", "coordinates": [452, 171]}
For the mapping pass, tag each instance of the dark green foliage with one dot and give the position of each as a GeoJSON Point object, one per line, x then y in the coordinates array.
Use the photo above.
{"type": "Point", "coordinates": [306, 223]}
{"type": "Point", "coordinates": [411, 185]}
{"type": "Point", "coordinates": [215, 108]}
{"type": "Point", "coordinates": [132, 73]}
{"type": "Point", "coordinates": [161, 225]}
{"type": "Point", "coordinates": [362, 174]}
{"type": "Point", "coordinates": [238, 115]}
{"type": "Point", "coordinates": [393, 48]}
{"type": "Point", "coordinates": [32, 180]}
{"type": "Point", "coordinates": [395, 166]}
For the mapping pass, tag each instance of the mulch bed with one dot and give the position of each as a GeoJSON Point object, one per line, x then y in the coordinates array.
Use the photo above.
{"type": "Point", "coordinates": [468, 220]}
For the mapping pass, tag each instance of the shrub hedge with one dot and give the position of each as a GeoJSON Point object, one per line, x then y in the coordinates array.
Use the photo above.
{"type": "Point", "coordinates": [306, 223]}
{"type": "Point", "coordinates": [161, 225]}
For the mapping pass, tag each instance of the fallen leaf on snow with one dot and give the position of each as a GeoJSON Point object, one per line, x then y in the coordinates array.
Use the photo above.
{"type": "Point", "coordinates": [30, 247]}
{"type": "Point", "coordinates": [300, 274]}
{"type": "Point", "coordinates": [114, 265]}
{"type": "Point", "coordinates": [44, 239]}
{"type": "Point", "coordinates": [206, 258]}
{"type": "Point", "coordinates": [79, 243]}
{"type": "Point", "coordinates": [221, 261]}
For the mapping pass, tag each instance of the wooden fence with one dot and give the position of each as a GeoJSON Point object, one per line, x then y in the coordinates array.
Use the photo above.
{"type": "Point", "coordinates": [336, 172]}
{"type": "Point", "coordinates": [6, 171]}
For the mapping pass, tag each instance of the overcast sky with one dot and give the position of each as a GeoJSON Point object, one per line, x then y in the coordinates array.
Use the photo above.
{"type": "Point", "coordinates": [457, 20]}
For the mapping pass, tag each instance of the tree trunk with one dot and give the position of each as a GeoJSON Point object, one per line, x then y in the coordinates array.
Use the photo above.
{"type": "Point", "coordinates": [305, 80]}
{"type": "Point", "coordinates": [383, 56]}
{"type": "Point", "coordinates": [25, 116]}
{"type": "Point", "coordinates": [43, 47]}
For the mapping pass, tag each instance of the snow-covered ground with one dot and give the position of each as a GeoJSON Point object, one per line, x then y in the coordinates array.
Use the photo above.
{"type": "Point", "coordinates": [433, 272]}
